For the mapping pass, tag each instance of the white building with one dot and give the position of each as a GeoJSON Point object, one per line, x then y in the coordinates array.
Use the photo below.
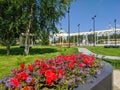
{"type": "Point", "coordinates": [85, 40]}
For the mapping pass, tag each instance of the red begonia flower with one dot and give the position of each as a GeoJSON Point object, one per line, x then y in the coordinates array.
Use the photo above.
{"type": "Point", "coordinates": [30, 67]}
{"type": "Point", "coordinates": [15, 82]}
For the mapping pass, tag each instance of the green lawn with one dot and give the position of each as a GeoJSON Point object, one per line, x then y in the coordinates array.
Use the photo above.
{"type": "Point", "coordinates": [104, 51]}
{"type": "Point", "coordinates": [114, 63]}
{"type": "Point", "coordinates": [37, 52]}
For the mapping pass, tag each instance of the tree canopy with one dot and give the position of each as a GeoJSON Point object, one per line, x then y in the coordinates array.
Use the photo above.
{"type": "Point", "coordinates": [30, 16]}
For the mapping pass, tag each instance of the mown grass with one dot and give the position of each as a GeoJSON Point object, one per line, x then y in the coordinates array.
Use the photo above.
{"type": "Point", "coordinates": [114, 63]}
{"type": "Point", "coordinates": [17, 56]}
{"type": "Point", "coordinates": [104, 51]}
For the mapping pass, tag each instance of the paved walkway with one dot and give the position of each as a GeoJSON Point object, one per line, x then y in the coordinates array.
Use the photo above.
{"type": "Point", "coordinates": [86, 51]}
{"type": "Point", "coordinates": [116, 79]}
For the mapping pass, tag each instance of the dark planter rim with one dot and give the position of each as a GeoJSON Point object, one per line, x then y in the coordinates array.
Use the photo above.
{"type": "Point", "coordinates": [94, 84]}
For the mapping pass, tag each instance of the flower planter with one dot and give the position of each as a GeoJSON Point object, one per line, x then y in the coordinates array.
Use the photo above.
{"type": "Point", "coordinates": [61, 73]}
{"type": "Point", "coordinates": [101, 82]}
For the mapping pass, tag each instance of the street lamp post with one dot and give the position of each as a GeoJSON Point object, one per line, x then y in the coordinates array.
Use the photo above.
{"type": "Point", "coordinates": [90, 37]}
{"type": "Point", "coordinates": [93, 18]}
{"type": "Point", "coordinates": [115, 32]}
{"type": "Point", "coordinates": [79, 34]}
{"type": "Point", "coordinates": [69, 26]}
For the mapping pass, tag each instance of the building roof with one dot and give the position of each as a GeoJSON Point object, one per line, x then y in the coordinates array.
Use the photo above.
{"type": "Point", "coordinates": [84, 33]}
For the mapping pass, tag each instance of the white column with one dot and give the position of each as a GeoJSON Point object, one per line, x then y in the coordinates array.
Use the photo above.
{"type": "Point", "coordinates": [96, 37]}
{"type": "Point", "coordinates": [108, 38]}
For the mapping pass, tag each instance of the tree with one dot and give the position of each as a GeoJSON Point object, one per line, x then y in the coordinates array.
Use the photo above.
{"type": "Point", "coordinates": [28, 12]}
{"type": "Point", "coordinates": [30, 16]}
{"type": "Point", "coordinates": [50, 14]}
{"type": "Point", "coordinates": [9, 22]}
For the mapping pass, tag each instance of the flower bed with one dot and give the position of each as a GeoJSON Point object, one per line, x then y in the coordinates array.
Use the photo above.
{"type": "Point", "coordinates": [59, 73]}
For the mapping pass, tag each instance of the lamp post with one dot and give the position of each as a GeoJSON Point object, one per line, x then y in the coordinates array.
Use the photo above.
{"type": "Point", "coordinates": [69, 26]}
{"type": "Point", "coordinates": [115, 32]}
{"type": "Point", "coordinates": [90, 39]}
{"type": "Point", "coordinates": [93, 18]}
{"type": "Point", "coordinates": [78, 34]}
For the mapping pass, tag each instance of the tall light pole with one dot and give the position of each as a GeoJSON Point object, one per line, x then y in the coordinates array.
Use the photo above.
{"type": "Point", "coordinates": [93, 18]}
{"type": "Point", "coordinates": [78, 34]}
{"type": "Point", "coordinates": [69, 26]}
{"type": "Point", "coordinates": [90, 36]}
{"type": "Point", "coordinates": [115, 32]}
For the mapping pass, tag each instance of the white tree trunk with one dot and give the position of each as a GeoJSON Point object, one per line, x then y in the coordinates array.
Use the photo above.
{"type": "Point", "coordinates": [27, 42]}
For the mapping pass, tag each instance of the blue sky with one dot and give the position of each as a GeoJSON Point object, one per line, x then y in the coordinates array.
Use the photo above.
{"type": "Point", "coordinates": [82, 11]}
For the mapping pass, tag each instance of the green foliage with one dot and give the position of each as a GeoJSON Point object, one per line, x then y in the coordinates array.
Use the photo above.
{"type": "Point", "coordinates": [50, 13]}
{"type": "Point", "coordinates": [11, 21]}
{"type": "Point", "coordinates": [44, 37]}
{"type": "Point", "coordinates": [30, 16]}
